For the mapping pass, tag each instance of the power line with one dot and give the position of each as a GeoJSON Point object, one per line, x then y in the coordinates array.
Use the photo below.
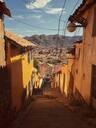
{"type": "Point", "coordinates": [59, 21]}
{"type": "Point", "coordinates": [70, 14]}
{"type": "Point", "coordinates": [34, 26]}
{"type": "Point", "coordinates": [64, 21]}
{"type": "Point", "coordinates": [43, 28]}
{"type": "Point", "coordinates": [74, 6]}
{"type": "Point", "coordinates": [61, 16]}
{"type": "Point", "coordinates": [26, 1]}
{"type": "Point", "coordinates": [64, 32]}
{"type": "Point", "coordinates": [51, 29]}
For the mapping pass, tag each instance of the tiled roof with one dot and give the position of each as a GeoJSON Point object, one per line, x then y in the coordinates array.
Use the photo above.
{"type": "Point", "coordinates": [4, 9]}
{"type": "Point", "coordinates": [85, 5]}
{"type": "Point", "coordinates": [19, 40]}
{"type": "Point", "coordinates": [82, 5]}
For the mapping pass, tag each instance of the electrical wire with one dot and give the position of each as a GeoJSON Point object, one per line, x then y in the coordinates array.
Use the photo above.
{"type": "Point", "coordinates": [59, 22]}
{"type": "Point", "coordinates": [43, 28]}
{"type": "Point", "coordinates": [69, 15]}
{"type": "Point", "coordinates": [74, 7]}
{"type": "Point", "coordinates": [42, 10]}
{"type": "Point", "coordinates": [65, 25]}
{"type": "Point", "coordinates": [34, 26]}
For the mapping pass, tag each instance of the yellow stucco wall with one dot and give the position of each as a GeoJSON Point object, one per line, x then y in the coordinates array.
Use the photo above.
{"type": "Point", "coordinates": [78, 75]}
{"type": "Point", "coordinates": [16, 84]}
{"type": "Point", "coordinates": [88, 57]}
{"type": "Point", "coordinates": [27, 69]}
{"type": "Point", "coordinates": [64, 83]}
{"type": "Point", "coordinates": [21, 72]}
{"type": "Point", "coordinates": [37, 80]}
{"type": "Point", "coordinates": [65, 79]}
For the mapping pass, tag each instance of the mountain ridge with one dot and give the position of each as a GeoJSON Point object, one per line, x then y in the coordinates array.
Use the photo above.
{"type": "Point", "coordinates": [53, 40]}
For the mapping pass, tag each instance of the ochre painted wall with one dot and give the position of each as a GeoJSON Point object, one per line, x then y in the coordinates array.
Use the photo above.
{"type": "Point", "coordinates": [64, 83]}
{"type": "Point", "coordinates": [21, 74]}
{"type": "Point", "coordinates": [27, 69]}
{"type": "Point", "coordinates": [16, 84]}
{"type": "Point", "coordinates": [37, 80]}
{"type": "Point", "coordinates": [66, 77]}
{"type": "Point", "coordinates": [78, 75]}
{"type": "Point", "coordinates": [88, 57]}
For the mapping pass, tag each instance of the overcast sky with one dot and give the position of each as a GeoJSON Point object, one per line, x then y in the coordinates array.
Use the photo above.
{"type": "Point", "coordinates": [38, 16]}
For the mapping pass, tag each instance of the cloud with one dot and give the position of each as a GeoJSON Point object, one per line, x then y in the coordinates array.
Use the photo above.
{"type": "Point", "coordinates": [10, 18]}
{"type": "Point", "coordinates": [18, 17]}
{"type": "Point", "coordinates": [53, 10]}
{"type": "Point", "coordinates": [23, 33]}
{"type": "Point", "coordinates": [36, 16]}
{"type": "Point", "coordinates": [25, 17]}
{"type": "Point", "coordinates": [37, 4]}
{"type": "Point", "coordinates": [29, 17]}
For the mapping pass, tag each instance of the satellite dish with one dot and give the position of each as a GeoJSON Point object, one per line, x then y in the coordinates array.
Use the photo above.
{"type": "Point", "coordinates": [71, 27]}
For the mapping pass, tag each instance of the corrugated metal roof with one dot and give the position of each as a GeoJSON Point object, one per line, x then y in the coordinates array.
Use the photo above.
{"type": "Point", "coordinates": [19, 40]}
{"type": "Point", "coordinates": [4, 9]}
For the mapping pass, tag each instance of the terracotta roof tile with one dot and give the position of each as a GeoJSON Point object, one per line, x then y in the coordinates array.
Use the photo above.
{"type": "Point", "coordinates": [4, 9]}
{"type": "Point", "coordinates": [19, 40]}
{"type": "Point", "coordinates": [86, 4]}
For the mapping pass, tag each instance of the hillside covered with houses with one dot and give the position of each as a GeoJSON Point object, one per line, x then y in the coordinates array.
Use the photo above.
{"type": "Point", "coordinates": [53, 40]}
{"type": "Point", "coordinates": [48, 80]}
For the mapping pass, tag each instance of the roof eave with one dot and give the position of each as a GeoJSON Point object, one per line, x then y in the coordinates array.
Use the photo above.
{"type": "Point", "coordinates": [4, 9]}
{"type": "Point", "coordinates": [80, 11]}
{"type": "Point", "coordinates": [7, 12]}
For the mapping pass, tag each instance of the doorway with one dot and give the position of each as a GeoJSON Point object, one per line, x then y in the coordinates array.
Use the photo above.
{"type": "Point", "coordinates": [64, 83]}
{"type": "Point", "coordinates": [93, 85]}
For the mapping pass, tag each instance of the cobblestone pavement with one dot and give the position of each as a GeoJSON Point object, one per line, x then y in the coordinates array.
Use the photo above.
{"type": "Point", "coordinates": [52, 111]}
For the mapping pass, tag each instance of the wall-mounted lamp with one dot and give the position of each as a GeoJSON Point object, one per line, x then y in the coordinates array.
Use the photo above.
{"type": "Point", "coordinates": [72, 27]}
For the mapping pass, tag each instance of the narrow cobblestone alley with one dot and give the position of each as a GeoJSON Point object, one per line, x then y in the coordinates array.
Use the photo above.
{"type": "Point", "coordinates": [51, 111]}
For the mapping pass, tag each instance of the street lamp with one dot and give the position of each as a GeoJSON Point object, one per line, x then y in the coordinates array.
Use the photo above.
{"type": "Point", "coordinates": [72, 26]}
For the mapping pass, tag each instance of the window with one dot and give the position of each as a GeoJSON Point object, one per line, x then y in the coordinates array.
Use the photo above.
{"type": "Point", "coordinates": [29, 57]}
{"type": "Point", "coordinates": [23, 52]}
{"type": "Point", "coordinates": [94, 23]}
